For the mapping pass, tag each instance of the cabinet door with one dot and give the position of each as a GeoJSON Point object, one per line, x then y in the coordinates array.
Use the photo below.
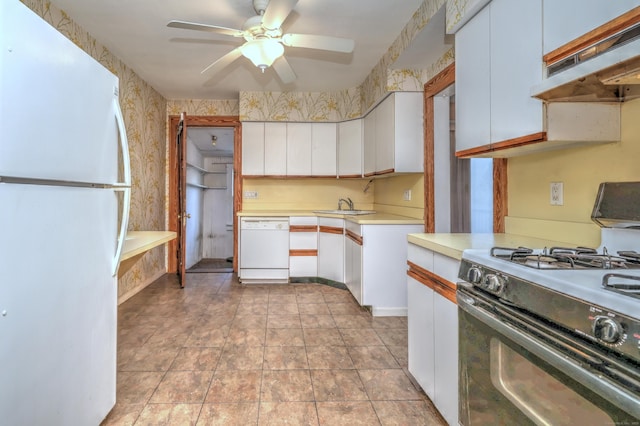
{"type": "Point", "coordinates": [331, 256]}
{"type": "Point", "coordinates": [516, 66]}
{"type": "Point", "coordinates": [353, 268]}
{"type": "Point", "coordinates": [253, 149]}
{"type": "Point", "coordinates": [369, 143]}
{"type": "Point", "coordinates": [408, 132]}
{"type": "Point", "coordinates": [350, 148]}
{"type": "Point", "coordinates": [323, 149]}
{"type": "Point", "coordinates": [473, 66]}
{"type": "Point", "coordinates": [567, 20]}
{"type": "Point", "coordinates": [446, 358]}
{"type": "Point", "coordinates": [275, 149]}
{"type": "Point", "coordinates": [385, 135]}
{"type": "Point", "coordinates": [421, 334]}
{"type": "Point", "coordinates": [299, 149]}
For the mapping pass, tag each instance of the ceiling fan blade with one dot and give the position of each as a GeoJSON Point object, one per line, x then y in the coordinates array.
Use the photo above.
{"type": "Point", "coordinates": [283, 69]}
{"type": "Point", "coordinates": [310, 41]}
{"type": "Point", "coordinates": [204, 27]}
{"type": "Point", "coordinates": [276, 12]}
{"type": "Point", "coordinates": [223, 61]}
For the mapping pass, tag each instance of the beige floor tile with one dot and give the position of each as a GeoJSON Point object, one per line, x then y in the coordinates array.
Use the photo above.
{"type": "Point", "coordinates": [323, 337]}
{"type": "Point", "coordinates": [208, 336]}
{"type": "Point", "coordinates": [197, 359]}
{"type": "Point", "coordinates": [234, 414]}
{"type": "Point", "coordinates": [329, 357]}
{"type": "Point", "coordinates": [345, 308]}
{"type": "Point", "coordinates": [241, 358]}
{"type": "Point", "coordinates": [353, 321]}
{"type": "Point", "coordinates": [389, 322]}
{"type": "Point", "coordinates": [287, 413]}
{"type": "Point", "coordinates": [123, 415]}
{"type": "Point", "coordinates": [286, 385]}
{"type": "Point", "coordinates": [393, 336]}
{"type": "Point", "coordinates": [347, 413]}
{"type": "Point", "coordinates": [285, 358]}
{"type": "Point", "coordinates": [401, 354]}
{"type": "Point", "coordinates": [372, 357]}
{"type": "Point", "coordinates": [360, 337]}
{"type": "Point", "coordinates": [320, 308]}
{"type": "Point", "coordinates": [182, 387]}
{"type": "Point", "coordinates": [284, 337]}
{"type": "Point", "coordinates": [282, 295]}
{"type": "Point", "coordinates": [151, 358]}
{"type": "Point", "coordinates": [169, 414]}
{"type": "Point", "coordinates": [283, 309]}
{"type": "Point", "coordinates": [235, 386]}
{"type": "Point", "coordinates": [397, 413]}
{"type": "Point", "coordinates": [249, 321]}
{"type": "Point", "coordinates": [337, 385]}
{"type": "Point", "coordinates": [338, 296]}
{"type": "Point", "coordinates": [317, 321]}
{"type": "Point", "coordinates": [246, 337]}
{"type": "Point", "coordinates": [136, 387]}
{"type": "Point", "coordinates": [312, 297]}
{"type": "Point", "coordinates": [284, 321]}
{"type": "Point", "coordinates": [388, 384]}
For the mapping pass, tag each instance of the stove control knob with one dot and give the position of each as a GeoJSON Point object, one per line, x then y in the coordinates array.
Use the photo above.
{"type": "Point", "coordinates": [607, 329]}
{"type": "Point", "coordinates": [474, 275]}
{"type": "Point", "coordinates": [494, 283]}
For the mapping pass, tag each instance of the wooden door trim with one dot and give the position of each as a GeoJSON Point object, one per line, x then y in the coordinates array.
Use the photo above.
{"type": "Point", "coordinates": [431, 88]}
{"type": "Point", "coordinates": [202, 121]}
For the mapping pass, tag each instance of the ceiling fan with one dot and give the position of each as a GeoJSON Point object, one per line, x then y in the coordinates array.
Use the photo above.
{"type": "Point", "coordinates": [265, 39]}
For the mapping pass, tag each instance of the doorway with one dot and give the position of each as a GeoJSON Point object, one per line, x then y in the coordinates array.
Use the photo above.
{"type": "Point", "coordinates": [199, 176]}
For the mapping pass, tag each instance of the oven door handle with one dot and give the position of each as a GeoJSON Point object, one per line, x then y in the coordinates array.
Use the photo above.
{"type": "Point", "coordinates": [604, 388]}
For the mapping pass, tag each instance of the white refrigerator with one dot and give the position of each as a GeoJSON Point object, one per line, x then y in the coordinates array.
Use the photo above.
{"type": "Point", "coordinates": [64, 205]}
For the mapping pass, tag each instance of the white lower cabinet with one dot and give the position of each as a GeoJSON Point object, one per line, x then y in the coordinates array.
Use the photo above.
{"type": "Point", "coordinates": [331, 249]}
{"type": "Point", "coordinates": [303, 246]}
{"type": "Point", "coordinates": [375, 259]}
{"type": "Point", "coordinates": [433, 328]}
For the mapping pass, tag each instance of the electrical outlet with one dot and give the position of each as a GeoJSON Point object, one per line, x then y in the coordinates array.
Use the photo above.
{"type": "Point", "coordinates": [406, 196]}
{"type": "Point", "coordinates": [557, 194]}
{"type": "Point", "coordinates": [250, 194]}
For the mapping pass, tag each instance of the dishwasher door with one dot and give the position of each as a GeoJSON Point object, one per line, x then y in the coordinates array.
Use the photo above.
{"type": "Point", "coordinates": [264, 250]}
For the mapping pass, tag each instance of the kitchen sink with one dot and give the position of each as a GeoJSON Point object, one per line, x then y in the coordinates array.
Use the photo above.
{"type": "Point", "coordinates": [345, 212]}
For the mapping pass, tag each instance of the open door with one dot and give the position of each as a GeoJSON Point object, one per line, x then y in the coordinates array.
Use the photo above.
{"type": "Point", "coordinates": [181, 141]}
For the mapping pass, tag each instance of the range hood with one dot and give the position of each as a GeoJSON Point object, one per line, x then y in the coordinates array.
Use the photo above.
{"type": "Point", "coordinates": [608, 71]}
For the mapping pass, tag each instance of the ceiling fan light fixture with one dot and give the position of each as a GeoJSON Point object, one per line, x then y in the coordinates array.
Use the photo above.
{"type": "Point", "coordinates": [262, 52]}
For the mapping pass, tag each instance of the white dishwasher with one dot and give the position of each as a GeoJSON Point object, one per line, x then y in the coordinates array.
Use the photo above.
{"type": "Point", "coordinates": [264, 250]}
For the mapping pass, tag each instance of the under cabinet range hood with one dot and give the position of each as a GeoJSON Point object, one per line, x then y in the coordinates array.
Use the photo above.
{"type": "Point", "coordinates": [605, 71]}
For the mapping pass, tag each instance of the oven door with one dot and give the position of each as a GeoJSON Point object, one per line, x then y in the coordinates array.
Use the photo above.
{"type": "Point", "coordinates": [509, 376]}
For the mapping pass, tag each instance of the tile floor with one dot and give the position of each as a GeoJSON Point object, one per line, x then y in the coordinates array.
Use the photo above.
{"type": "Point", "coordinates": [218, 352]}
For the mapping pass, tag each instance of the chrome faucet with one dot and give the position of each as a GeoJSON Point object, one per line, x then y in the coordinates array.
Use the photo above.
{"type": "Point", "coordinates": [348, 201]}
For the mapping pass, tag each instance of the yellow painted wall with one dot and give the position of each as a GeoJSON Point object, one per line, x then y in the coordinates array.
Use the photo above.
{"type": "Point", "coordinates": [581, 170]}
{"type": "Point", "coordinates": [383, 194]}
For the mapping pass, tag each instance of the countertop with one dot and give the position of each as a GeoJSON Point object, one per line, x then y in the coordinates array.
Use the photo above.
{"type": "Point", "coordinates": [364, 219]}
{"type": "Point", "coordinates": [452, 245]}
{"type": "Point", "coordinates": [137, 243]}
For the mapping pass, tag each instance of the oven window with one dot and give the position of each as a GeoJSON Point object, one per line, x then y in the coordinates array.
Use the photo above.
{"type": "Point", "coordinates": [541, 397]}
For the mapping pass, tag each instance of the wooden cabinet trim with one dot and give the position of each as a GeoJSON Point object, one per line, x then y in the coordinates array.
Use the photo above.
{"type": "Point", "coordinates": [502, 145]}
{"type": "Point", "coordinates": [331, 230]}
{"type": "Point", "coordinates": [384, 172]}
{"type": "Point", "coordinates": [440, 285]}
{"type": "Point", "coordinates": [303, 228]}
{"type": "Point", "coordinates": [350, 176]}
{"type": "Point", "coordinates": [303, 252]}
{"type": "Point", "coordinates": [596, 35]}
{"type": "Point", "coordinates": [354, 237]}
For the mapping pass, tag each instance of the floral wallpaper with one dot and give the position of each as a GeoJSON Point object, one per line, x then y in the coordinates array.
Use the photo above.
{"type": "Point", "coordinates": [203, 107]}
{"type": "Point", "coordinates": [460, 11]}
{"type": "Point", "coordinates": [144, 112]}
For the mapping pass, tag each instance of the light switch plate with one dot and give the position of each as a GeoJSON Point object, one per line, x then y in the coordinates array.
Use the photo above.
{"type": "Point", "coordinates": [406, 196]}
{"type": "Point", "coordinates": [250, 194]}
{"type": "Point", "coordinates": [557, 194]}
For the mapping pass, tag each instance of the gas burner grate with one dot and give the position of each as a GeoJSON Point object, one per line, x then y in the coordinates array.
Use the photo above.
{"type": "Point", "coordinates": [568, 258]}
{"type": "Point", "coordinates": [622, 284]}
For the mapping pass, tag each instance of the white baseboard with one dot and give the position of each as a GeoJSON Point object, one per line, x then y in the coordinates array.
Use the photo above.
{"type": "Point", "coordinates": [388, 312]}
{"type": "Point", "coordinates": [128, 295]}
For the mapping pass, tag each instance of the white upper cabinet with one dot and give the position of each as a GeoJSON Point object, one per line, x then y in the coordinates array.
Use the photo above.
{"type": "Point", "coordinates": [275, 149]}
{"type": "Point", "coordinates": [567, 20]}
{"type": "Point", "coordinates": [298, 149]}
{"type": "Point", "coordinates": [393, 135]}
{"type": "Point", "coordinates": [516, 66]}
{"type": "Point", "coordinates": [323, 149]}
{"type": "Point", "coordinates": [350, 148]}
{"type": "Point", "coordinates": [253, 149]}
{"type": "Point", "coordinates": [369, 144]}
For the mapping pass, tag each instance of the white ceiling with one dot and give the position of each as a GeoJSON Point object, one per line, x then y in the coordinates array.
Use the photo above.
{"type": "Point", "coordinates": [171, 59]}
{"type": "Point", "coordinates": [201, 138]}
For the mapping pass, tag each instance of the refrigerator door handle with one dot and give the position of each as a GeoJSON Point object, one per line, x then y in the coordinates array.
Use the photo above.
{"type": "Point", "coordinates": [125, 186]}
